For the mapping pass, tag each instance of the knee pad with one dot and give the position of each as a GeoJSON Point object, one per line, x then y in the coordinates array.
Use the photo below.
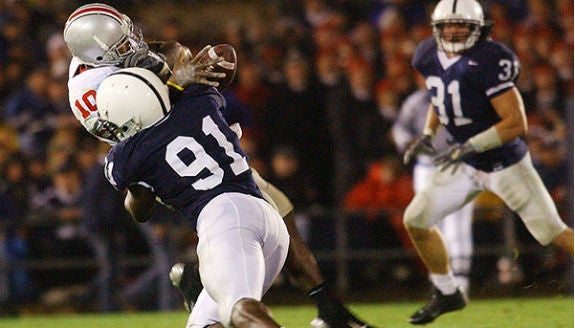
{"type": "Point", "coordinates": [417, 212]}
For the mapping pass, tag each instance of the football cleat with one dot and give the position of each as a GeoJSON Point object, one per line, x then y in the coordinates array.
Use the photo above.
{"type": "Point", "coordinates": [438, 305]}
{"type": "Point", "coordinates": [185, 277]}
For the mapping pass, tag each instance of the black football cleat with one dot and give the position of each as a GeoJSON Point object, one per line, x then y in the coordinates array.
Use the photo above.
{"type": "Point", "coordinates": [438, 305]}
{"type": "Point", "coordinates": [186, 278]}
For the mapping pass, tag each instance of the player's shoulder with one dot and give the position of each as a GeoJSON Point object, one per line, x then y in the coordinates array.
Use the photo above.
{"type": "Point", "coordinates": [196, 95]}
{"type": "Point", "coordinates": [425, 51]}
{"type": "Point", "coordinates": [491, 50]}
{"type": "Point", "coordinates": [92, 77]}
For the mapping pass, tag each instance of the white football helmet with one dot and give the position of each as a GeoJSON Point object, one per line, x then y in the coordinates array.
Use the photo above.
{"type": "Point", "coordinates": [100, 35]}
{"type": "Point", "coordinates": [130, 100]}
{"type": "Point", "coordinates": [457, 11]}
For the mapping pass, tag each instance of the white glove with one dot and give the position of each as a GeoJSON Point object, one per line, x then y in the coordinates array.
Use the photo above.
{"type": "Point", "coordinates": [197, 70]}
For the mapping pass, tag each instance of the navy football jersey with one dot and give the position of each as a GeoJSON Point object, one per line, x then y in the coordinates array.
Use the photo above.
{"type": "Point", "coordinates": [461, 89]}
{"type": "Point", "coordinates": [187, 158]}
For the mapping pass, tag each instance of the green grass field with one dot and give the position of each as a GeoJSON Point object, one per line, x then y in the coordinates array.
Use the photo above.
{"type": "Point", "coordinates": [553, 312]}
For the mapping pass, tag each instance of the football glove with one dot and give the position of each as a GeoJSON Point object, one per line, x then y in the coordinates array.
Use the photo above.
{"type": "Point", "coordinates": [421, 145]}
{"type": "Point", "coordinates": [147, 59]}
{"type": "Point", "coordinates": [197, 70]}
{"type": "Point", "coordinates": [453, 156]}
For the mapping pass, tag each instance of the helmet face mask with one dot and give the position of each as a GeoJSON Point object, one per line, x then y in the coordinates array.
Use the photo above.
{"type": "Point", "coordinates": [459, 15]}
{"type": "Point", "coordinates": [101, 36]}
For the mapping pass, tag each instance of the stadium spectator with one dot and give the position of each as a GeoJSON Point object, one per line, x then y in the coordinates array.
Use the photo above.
{"type": "Point", "coordinates": [30, 112]}
{"type": "Point", "coordinates": [380, 198]}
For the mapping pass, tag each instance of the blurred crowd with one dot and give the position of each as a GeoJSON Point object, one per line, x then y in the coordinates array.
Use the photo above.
{"type": "Point", "coordinates": [319, 84]}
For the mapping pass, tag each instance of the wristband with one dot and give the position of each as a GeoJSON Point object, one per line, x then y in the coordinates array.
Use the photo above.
{"type": "Point", "coordinates": [486, 140]}
{"type": "Point", "coordinates": [175, 86]}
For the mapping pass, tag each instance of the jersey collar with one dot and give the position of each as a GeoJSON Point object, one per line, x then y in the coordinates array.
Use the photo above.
{"type": "Point", "coordinates": [446, 62]}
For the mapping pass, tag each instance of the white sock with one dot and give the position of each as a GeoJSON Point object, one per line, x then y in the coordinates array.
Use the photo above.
{"type": "Point", "coordinates": [444, 282]}
{"type": "Point", "coordinates": [463, 282]}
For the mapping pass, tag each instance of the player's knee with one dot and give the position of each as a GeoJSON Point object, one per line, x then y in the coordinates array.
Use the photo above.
{"type": "Point", "coordinates": [416, 214]}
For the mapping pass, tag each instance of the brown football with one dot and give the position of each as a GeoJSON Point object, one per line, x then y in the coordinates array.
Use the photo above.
{"type": "Point", "coordinates": [228, 66]}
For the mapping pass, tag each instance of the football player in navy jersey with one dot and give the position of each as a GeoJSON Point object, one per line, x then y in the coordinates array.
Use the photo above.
{"type": "Point", "coordinates": [471, 81]}
{"type": "Point", "coordinates": [103, 41]}
{"type": "Point", "coordinates": [188, 158]}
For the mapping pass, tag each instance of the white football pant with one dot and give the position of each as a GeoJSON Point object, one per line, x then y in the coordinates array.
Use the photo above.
{"type": "Point", "coordinates": [456, 228]}
{"type": "Point", "coordinates": [243, 244]}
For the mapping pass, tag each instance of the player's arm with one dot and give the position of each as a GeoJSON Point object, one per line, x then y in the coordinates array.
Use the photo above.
{"type": "Point", "coordinates": [140, 202]}
{"type": "Point", "coordinates": [173, 62]}
{"type": "Point", "coordinates": [431, 122]}
{"type": "Point", "coordinates": [513, 124]}
{"type": "Point", "coordinates": [509, 106]}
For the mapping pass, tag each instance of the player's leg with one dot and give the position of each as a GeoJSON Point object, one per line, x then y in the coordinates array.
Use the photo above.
{"type": "Point", "coordinates": [564, 241]}
{"type": "Point", "coordinates": [302, 266]}
{"type": "Point", "coordinates": [243, 314]}
{"type": "Point", "coordinates": [242, 246]}
{"type": "Point", "coordinates": [521, 188]}
{"type": "Point", "coordinates": [443, 194]}
{"type": "Point", "coordinates": [204, 312]}
{"type": "Point", "coordinates": [456, 229]}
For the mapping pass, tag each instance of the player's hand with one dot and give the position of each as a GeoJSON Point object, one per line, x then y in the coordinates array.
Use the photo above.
{"type": "Point", "coordinates": [421, 145]}
{"type": "Point", "coordinates": [197, 70]}
{"type": "Point", "coordinates": [453, 156]}
{"type": "Point", "coordinates": [147, 59]}
{"type": "Point", "coordinates": [172, 50]}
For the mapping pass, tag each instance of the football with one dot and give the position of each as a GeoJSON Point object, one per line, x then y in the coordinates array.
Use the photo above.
{"type": "Point", "coordinates": [228, 65]}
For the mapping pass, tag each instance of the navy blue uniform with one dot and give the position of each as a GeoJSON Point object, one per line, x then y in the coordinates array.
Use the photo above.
{"type": "Point", "coordinates": [461, 92]}
{"type": "Point", "coordinates": [190, 160]}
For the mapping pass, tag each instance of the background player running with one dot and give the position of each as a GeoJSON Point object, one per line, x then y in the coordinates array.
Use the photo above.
{"type": "Point", "coordinates": [471, 80]}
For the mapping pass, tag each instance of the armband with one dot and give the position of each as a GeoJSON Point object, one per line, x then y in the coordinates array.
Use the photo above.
{"type": "Point", "coordinates": [486, 140]}
{"type": "Point", "coordinates": [175, 86]}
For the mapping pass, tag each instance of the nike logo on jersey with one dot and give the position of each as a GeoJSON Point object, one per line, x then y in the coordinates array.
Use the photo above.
{"type": "Point", "coordinates": [472, 63]}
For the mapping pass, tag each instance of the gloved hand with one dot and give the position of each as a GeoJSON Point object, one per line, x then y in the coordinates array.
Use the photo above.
{"type": "Point", "coordinates": [197, 70]}
{"type": "Point", "coordinates": [147, 59]}
{"type": "Point", "coordinates": [453, 156]}
{"type": "Point", "coordinates": [421, 145]}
